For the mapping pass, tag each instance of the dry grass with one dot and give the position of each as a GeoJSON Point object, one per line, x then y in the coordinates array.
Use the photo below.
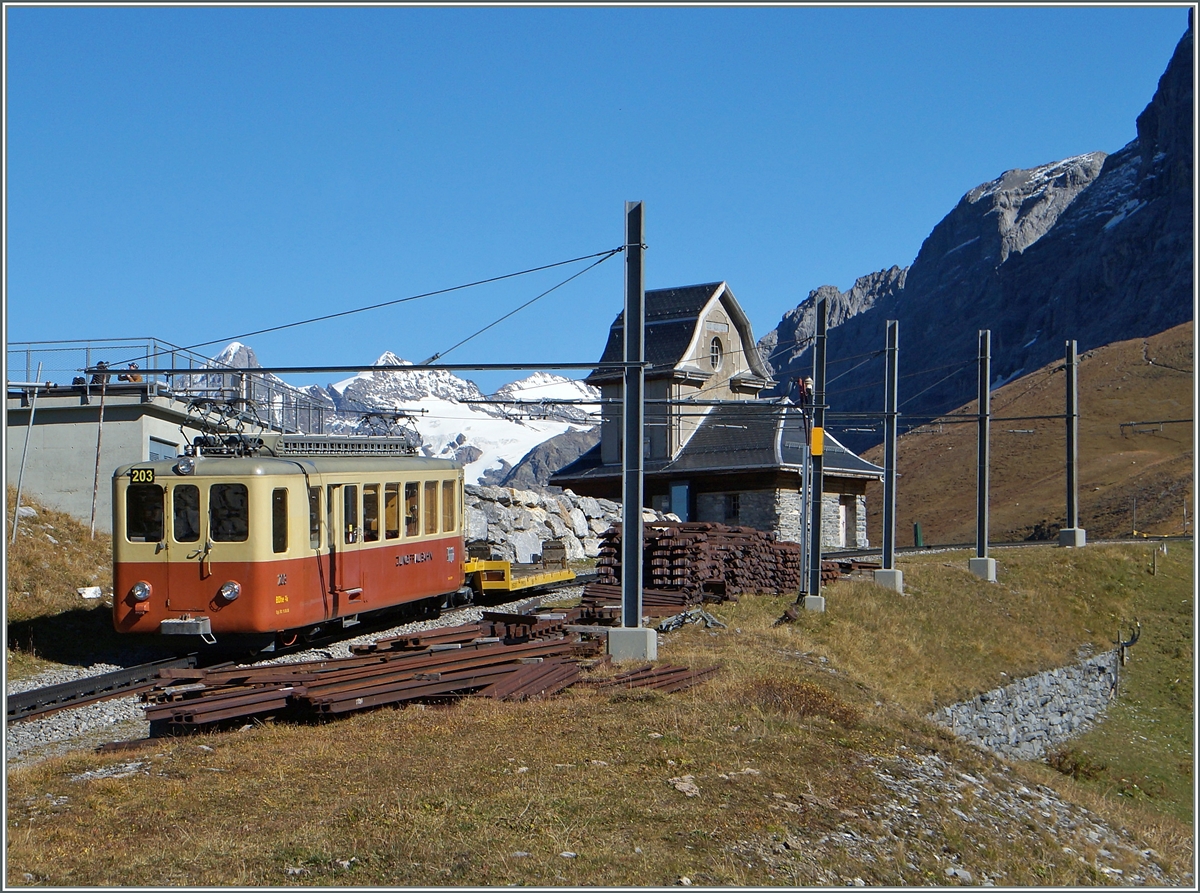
{"type": "Point", "coordinates": [1139, 380]}
{"type": "Point", "coordinates": [495, 793]}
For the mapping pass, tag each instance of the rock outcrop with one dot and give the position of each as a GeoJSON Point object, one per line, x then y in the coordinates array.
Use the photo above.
{"type": "Point", "coordinates": [1094, 248]}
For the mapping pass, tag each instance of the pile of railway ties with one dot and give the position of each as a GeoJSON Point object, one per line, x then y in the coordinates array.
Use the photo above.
{"type": "Point", "coordinates": [503, 655]}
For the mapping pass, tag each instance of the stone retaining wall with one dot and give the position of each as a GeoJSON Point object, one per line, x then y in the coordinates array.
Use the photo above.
{"type": "Point", "coordinates": [515, 522]}
{"type": "Point", "coordinates": [1025, 720]}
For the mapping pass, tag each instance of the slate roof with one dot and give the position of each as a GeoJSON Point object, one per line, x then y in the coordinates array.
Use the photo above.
{"type": "Point", "coordinates": [754, 436]}
{"type": "Point", "coordinates": [671, 317]}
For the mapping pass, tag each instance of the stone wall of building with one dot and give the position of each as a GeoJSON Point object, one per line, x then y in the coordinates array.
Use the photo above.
{"type": "Point", "coordinates": [1032, 716]}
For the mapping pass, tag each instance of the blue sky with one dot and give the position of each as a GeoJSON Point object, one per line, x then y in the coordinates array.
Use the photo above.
{"type": "Point", "coordinates": [195, 173]}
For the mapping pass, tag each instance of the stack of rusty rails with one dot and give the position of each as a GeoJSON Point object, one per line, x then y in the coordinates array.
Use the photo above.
{"type": "Point", "coordinates": [667, 679]}
{"type": "Point", "coordinates": [464, 634]}
{"type": "Point", "coordinates": [601, 600]}
{"type": "Point", "coordinates": [335, 686]}
{"type": "Point", "coordinates": [533, 681]}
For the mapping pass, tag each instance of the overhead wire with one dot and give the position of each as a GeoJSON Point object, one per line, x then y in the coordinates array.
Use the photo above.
{"type": "Point", "coordinates": [603, 255]}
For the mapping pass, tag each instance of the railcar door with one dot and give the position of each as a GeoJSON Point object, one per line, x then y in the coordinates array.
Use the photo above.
{"type": "Point", "coordinates": [345, 539]}
{"type": "Point", "coordinates": [188, 550]}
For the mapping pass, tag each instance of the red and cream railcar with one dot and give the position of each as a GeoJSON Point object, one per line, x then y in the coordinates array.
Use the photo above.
{"type": "Point", "coordinates": [283, 539]}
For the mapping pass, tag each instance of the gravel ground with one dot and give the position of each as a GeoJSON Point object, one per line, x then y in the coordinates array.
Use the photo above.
{"type": "Point", "coordinates": [909, 832]}
{"type": "Point", "coordinates": [122, 719]}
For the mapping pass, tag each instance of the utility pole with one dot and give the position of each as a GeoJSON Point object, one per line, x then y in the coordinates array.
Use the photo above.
{"type": "Point", "coordinates": [29, 435]}
{"type": "Point", "coordinates": [888, 576]}
{"type": "Point", "coordinates": [981, 565]}
{"type": "Point", "coordinates": [814, 601]}
{"type": "Point", "coordinates": [1072, 536]}
{"type": "Point", "coordinates": [633, 641]}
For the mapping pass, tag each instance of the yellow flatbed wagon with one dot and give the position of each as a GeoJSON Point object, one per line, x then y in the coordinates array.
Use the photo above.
{"type": "Point", "coordinates": [485, 576]}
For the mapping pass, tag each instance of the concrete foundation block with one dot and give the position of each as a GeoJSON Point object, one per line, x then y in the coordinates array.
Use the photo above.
{"type": "Point", "coordinates": [814, 603]}
{"type": "Point", "coordinates": [890, 578]}
{"type": "Point", "coordinates": [983, 568]}
{"type": "Point", "coordinates": [1072, 537]}
{"type": "Point", "coordinates": [628, 643]}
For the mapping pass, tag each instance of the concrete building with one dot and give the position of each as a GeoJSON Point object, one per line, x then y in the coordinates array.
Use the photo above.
{"type": "Point", "coordinates": [154, 417]}
{"type": "Point", "coordinates": [736, 463]}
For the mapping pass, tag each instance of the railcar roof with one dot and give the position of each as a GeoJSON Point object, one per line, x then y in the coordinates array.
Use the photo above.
{"type": "Point", "coordinates": [227, 466]}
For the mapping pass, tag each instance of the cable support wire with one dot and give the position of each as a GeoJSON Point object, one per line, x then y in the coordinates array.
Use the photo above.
{"type": "Point", "coordinates": [591, 266]}
{"type": "Point", "coordinates": [939, 381]}
{"type": "Point", "coordinates": [603, 255]}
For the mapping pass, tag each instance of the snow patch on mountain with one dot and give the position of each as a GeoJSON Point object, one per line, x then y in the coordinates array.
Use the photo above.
{"type": "Point", "coordinates": [451, 413]}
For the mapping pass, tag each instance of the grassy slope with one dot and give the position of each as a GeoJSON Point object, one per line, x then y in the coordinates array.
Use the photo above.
{"type": "Point", "coordinates": [1117, 383]}
{"type": "Point", "coordinates": [447, 796]}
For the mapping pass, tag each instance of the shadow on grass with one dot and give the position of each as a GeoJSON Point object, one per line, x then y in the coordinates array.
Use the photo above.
{"type": "Point", "coordinates": [82, 637]}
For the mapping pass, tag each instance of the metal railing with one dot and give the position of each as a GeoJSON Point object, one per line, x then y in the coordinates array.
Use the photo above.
{"type": "Point", "coordinates": [266, 399]}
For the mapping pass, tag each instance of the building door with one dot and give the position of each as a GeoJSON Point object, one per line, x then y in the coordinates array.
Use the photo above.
{"type": "Point", "coordinates": [680, 495]}
{"type": "Point", "coordinates": [841, 524]}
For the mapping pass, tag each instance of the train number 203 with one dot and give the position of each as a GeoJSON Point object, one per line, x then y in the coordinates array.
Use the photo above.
{"type": "Point", "coordinates": [141, 476]}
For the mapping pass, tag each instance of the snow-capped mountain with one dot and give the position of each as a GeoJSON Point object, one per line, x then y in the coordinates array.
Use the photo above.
{"type": "Point", "coordinates": [454, 418]}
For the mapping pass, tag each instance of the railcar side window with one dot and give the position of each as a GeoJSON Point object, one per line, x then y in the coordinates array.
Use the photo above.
{"type": "Point", "coordinates": [229, 513]}
{"type": "Point", "coordinates": [431, 507]}
{"type": "Point", "coordinates": [279, 520]}
{"type": "Point", "coordinates": [350, 512]}
{"type": "Point", "coordinates": [449, 505]}
{"type": "Point", "coordinates": [371, 513]}
{"type": "Point", "coordinates": [144, 513]}
{"type": "Point", "coordinates": [314, 517]}
{"type": "Point", "coordinates": [391, 510]}
{"type": "Point", "coordinates": [186, 504]}
{"type": "Point", "coordinates": [412, 517]}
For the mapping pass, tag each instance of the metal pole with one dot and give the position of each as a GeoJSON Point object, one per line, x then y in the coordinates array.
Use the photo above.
{"type": "Point", "coordinates": [805, 472]}
{"type": "Point", "coordinates": [1072, 435]}
{"type": "Point", "coordinates": [633, 429]}
{"type": "Point", "coordinates": [889, 445]}
{"type": "Point", "coordinates": [817, 450]}
{"type": "Point", "coordinates": [985, 411]}
{"type": "Point", "coordinates": [25, 452]}
{"type": "Point", "coordinates": [99, 443]}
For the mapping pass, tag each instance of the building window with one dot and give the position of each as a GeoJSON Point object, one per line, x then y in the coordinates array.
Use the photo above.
{"type": "Point", "coordinates": [715, 353]}
{"type": "Point", "coordinates": [733, 507]}
{"type": "Point", "coordinates": [161, 449]}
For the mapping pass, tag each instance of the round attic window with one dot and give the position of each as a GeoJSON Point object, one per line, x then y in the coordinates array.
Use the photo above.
{"type": "Point", "coordinates": [715, 353]}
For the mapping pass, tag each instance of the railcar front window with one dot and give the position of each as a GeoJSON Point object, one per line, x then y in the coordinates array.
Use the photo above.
{"type": "Point", "coordinates": [229, 513]}
{"type": "Point", "coordinates": [412, 510]}
{"type": "Point", "coordinates": [449, 504]}
{"type": "Point", "coordinates": [391, 510]}
{"type": "Point", "coordinates": [279, 520]}
{"type": "Point", "coordinates": [371, 513]}
{"type": "Point", "coordinates": [185, 500]}
{"type": "Point", "coordinates": [144, 513]}
{"type": "Point", "coordinates": [431, 507]}
{"type": "Point", "coordinates": [314, 517]}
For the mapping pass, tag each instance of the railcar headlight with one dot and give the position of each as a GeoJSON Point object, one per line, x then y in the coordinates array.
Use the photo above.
{"type": "Point", "coordinates": [231, 590]}
{"type": "Point", "coordinates": [140, 590]}
{"type": "Point", "coordinates": [186, 465]}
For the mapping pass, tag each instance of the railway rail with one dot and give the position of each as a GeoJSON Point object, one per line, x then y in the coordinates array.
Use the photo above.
{"type": "Point", "coordinates": [142, 678]}
{"type": "Point", "coordinates": [118, 683]}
